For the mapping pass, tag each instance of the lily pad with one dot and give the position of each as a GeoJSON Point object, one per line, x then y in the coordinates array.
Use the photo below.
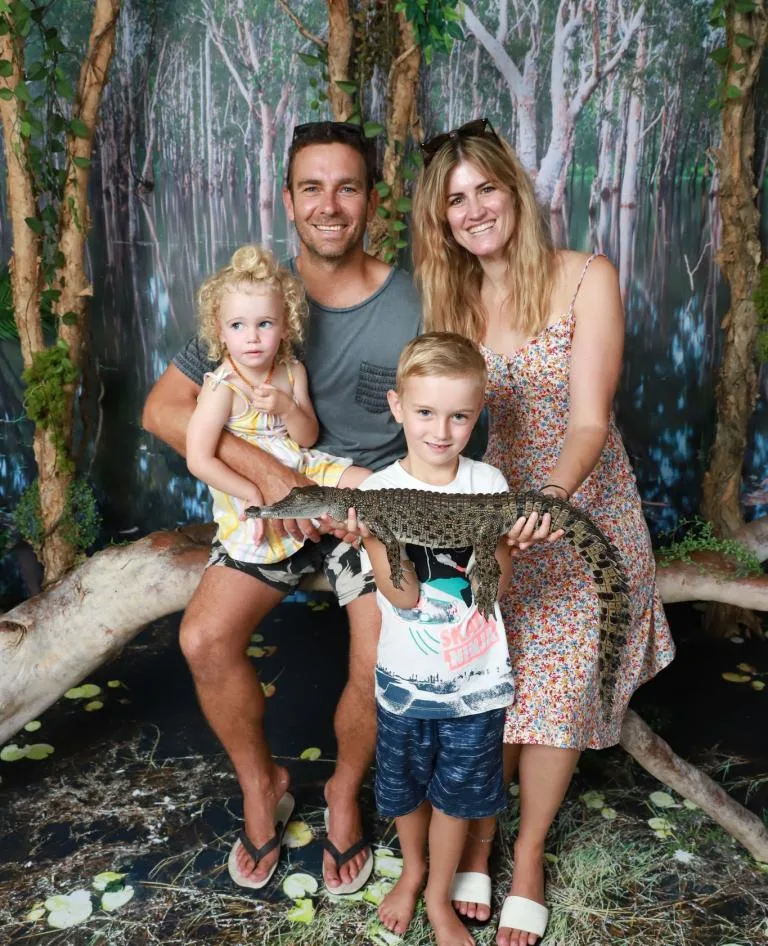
{"type": "Point", "coordinates": [114, 684]}
{"type": "Point", "coordinates": [114, 899]}
{"type": "Point", "coordinates": [269, 689]}
{"type": "Point", "coordinates": [593, 799]}
{"type": "Point", "coordinates": [33, 725]}
{"type": "Point", "coordinates": [663, 800]}
{"type": "Point", "coordinates": [312, 754]}
{"type": "Point", "coordinates": [257, 638]}
{"type": "Point", "coordinates": [85, 691]}
{"type": "Point", "coordinates": [746, 668]}
{"type": "Point", "coordinates": [609, 814]}
{"type": "Point", "coordinates": [105, 878]}
{"type": "Point", "coordinates": [39, 750]}
{"type": "Point", "coordinates": [254, 652]}
{"type": "Point", "coordinates": [661, 827]}
{"type": "Point", "coordinates": [67, 910]}
{"type": "Point", "coordinates": [379, 935]}
{"type": "Point", "coordinates": [303, 911]}
{"type": "Point", "coordinates": [690, 805]}
{"type": "Point", "coordinates": [736, 677]}
{"type": "Point", "coordinates": [387, 865]}
{"type": "Point", "coordinates": [297, 886]}
{"type": "Point", "coordinates": [93, 706]}
{"type": "Point", "coordinates": [758, 685]}
{"type": "Point", "coordinates": [375, 892]}
{"type": "Point", "coordinates": [12, 753]}
{"type": "Point", "coordinates": [35, 914]}
{"type": "Point", "coordinates": [297, 834]}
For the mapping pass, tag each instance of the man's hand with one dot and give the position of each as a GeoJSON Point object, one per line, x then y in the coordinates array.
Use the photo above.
{"type": "Point", "coordinates": [277, 487]}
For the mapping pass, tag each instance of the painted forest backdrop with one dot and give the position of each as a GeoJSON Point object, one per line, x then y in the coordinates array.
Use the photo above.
{"type": "Point", "coordinates": [608, 102]}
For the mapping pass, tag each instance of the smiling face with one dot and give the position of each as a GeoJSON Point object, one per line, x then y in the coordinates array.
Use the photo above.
{"type": "Point", "coordinates": [252, 327]}
{"type": "Point", "coordinates": [479, 212]}
{"type": "Point", "coordinates": [437, 414]}
{"type": "Point", "coordinates": [328, 201]}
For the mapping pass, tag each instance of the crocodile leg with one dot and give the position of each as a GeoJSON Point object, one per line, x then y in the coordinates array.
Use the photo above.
{"type": "Point", "coordinates": [385, 535]}
{"type": "Point", "coordinates": [486, 571]}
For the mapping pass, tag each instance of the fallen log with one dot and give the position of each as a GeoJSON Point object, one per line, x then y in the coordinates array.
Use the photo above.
{"type": "Point", "coordinates": [656, 756]}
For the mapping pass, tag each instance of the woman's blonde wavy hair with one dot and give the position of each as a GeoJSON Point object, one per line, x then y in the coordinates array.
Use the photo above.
{"type": "Point", "coordinates": [449, 276]}
{"type": "Point", "coordinates": [251, 267]}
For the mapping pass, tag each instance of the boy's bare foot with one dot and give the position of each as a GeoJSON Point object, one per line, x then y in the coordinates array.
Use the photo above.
{"type": "Point", "coordinates": [259, 806]}
{"type": "Point", "coordinates": [448, 928]}
{"type": "Point", "coordinates": [474, 859]}
{"type": "Point", "coordinates": [396, 910]}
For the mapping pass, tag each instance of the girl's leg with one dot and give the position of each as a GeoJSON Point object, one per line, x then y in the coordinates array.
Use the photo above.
{"type": "Point", "coordinates": [396, 910]}
{"type": "Point", "coordinates": [545, 773]}
{"type": "Point", "coordinates": [477, 848]}
{"type": "Point", "coordinates": [446, 841]}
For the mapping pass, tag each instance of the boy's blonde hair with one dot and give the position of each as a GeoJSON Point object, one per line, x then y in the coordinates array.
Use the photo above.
{"type": "Point", "coordinates": [251, 267]}
{"type": "Point", "coordinates": [440, 354]}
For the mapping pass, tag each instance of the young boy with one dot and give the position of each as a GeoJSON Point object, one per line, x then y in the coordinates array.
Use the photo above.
{"type": "Point", "coordinates": [443, 677]}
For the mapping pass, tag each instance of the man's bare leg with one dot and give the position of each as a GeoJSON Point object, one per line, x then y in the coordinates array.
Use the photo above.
{"type": "Point", "coordinates": [477, 848]}
{"type": "Point", "coordinates": [217, 625]}
{"type": "Point", "coordinates": [355, 725]}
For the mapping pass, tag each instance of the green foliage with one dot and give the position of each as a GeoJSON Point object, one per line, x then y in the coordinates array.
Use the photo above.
{"type": "Point", "coordinates": [721, 55]}
{"type": "Point", "coordinates": [45, 399]}
{"type": "Point", "coordinates": [436, 24]}
{"type": "Point", "coordinates": [760, 298]}
{"type": "Point", "coordinates": [80, 523]}
{"type": "Point", "coordinates": [700, 537]}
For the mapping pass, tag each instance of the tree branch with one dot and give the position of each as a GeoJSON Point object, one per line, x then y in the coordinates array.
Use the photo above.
{"type": "Point", "coordinates": [496, 51]}
{"type": "Point", "coordinates": [321, 44]}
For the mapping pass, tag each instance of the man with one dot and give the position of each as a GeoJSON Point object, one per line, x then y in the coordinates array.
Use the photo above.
{"type": "Point", "coordinates": [362, 312]}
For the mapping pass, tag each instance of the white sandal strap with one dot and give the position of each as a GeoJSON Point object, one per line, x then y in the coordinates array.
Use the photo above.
{"type": "Point", "coordinates": [472, 887]}
{"type": "Point", "coordinates": [519, 913]}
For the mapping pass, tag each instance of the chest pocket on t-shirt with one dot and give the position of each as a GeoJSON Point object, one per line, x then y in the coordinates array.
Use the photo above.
{"type": "Point", "coordinates": [373, 382]}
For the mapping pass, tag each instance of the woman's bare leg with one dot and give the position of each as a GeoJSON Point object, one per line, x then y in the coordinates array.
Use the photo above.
{"type": "Point", "coordinates": [545, 774]}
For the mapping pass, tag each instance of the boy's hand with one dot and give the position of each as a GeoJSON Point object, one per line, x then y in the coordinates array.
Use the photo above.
{"type": "Point", "coordinates": [350, 531]}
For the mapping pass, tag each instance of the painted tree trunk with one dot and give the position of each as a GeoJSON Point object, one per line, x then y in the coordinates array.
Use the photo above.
{"type": "Point", "coordinates": [402, 86]}
{"type": "Point", "coordinates": [739, 259]}
{"type": "Point", "coordinates": [266, 174]}
{"type": "Point", "coordinates": [340, 35]}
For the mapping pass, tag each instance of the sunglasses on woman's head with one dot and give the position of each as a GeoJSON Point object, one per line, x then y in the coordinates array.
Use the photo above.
{"type": "Point", "coordinates": [478, 128]}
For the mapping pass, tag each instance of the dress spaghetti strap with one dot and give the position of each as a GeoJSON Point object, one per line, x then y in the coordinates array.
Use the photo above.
{"type": "Point", "coordinates": [581, 280]}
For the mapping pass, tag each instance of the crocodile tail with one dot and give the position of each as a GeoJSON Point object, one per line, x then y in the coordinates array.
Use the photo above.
{"type": "Point", "coordinates": [604, 562]}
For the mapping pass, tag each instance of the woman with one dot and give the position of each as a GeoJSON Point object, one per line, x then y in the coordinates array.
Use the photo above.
{"type": "Point", "coordinates": [551, 326]}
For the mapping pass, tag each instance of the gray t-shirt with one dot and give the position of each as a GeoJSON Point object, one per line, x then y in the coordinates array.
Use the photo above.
{"type": "Point", "coordinates": [351, 359]}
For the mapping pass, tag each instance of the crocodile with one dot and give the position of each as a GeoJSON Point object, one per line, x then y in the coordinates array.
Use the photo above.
{"type": "Point", "coordinates": [458, 520]}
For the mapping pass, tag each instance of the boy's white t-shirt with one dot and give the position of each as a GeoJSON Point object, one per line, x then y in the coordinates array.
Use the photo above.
{"type": "Point", "coordinates": [441, 659]}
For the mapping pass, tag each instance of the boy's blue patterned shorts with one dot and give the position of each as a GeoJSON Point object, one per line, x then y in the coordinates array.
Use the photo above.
{"type": "Point", "coordinates": [456, 764]}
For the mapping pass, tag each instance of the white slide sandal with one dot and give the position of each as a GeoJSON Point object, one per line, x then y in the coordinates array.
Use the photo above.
{"type": "Point", "coordinates": [520, 913]}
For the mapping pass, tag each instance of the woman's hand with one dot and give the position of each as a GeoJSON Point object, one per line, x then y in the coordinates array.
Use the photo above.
{"type": "Point", "coordinates": [527, 532]}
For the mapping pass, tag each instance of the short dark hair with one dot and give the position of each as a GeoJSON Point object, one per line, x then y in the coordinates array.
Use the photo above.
{"type": "Point", "coordinates": [333, 133]}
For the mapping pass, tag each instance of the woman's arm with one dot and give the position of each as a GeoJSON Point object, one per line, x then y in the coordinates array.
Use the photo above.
{"type": "Point", "coordinates": [597, 349]}
{"type": "Point", "coordinates": [214, 407]}
{"type": "Point", "coordinates": [405, 597]}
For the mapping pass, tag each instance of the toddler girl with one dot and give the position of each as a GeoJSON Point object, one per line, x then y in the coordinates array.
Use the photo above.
{"type": "Point", "coordinates": [252, 315]}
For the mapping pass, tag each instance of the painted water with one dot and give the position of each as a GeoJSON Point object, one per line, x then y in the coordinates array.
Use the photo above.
{"type": "Point", "coordinates": [147, 264]}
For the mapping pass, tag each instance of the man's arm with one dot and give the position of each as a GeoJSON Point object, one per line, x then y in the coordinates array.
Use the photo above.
{"type": "Point", "coordinates": [167, 413]}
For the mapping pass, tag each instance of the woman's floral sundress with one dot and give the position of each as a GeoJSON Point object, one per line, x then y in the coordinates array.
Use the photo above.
{"type": "Point", "coordinates": [551, 611]}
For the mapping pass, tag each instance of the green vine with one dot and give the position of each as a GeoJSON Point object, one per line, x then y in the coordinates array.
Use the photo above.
{"type": "Point", "coordinates": [46, 400]}
{"type": "Point", "coordinates": [718, 18]}
{"type": "Point", "coordinates": [760, 297]}
{"type": "Point", "coordinates": [700, 537]}
{"type": "Point", "coordinates": [79, 525]}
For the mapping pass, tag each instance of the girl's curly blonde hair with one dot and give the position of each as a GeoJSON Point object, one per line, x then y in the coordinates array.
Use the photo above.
{"type": "Point", "coordinates": [251, 267]}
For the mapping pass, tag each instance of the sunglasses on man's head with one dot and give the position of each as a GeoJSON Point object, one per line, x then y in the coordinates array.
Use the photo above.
{"type": "Point", "coordinates": [478, 128]}
{"type": "Point", "coordinates": [323, 129]}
